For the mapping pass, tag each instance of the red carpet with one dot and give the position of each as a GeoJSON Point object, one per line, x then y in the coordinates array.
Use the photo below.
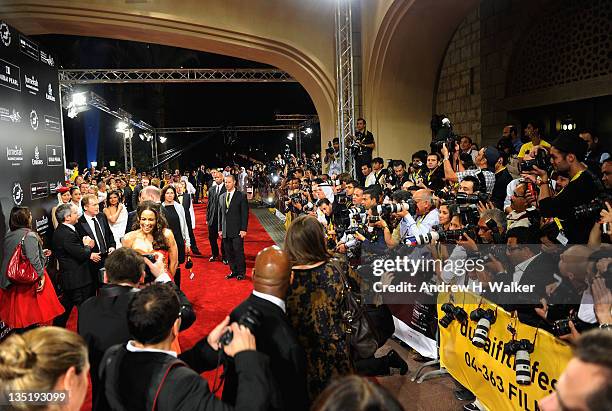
{"type": "Point", "coordinates": [213, 297]}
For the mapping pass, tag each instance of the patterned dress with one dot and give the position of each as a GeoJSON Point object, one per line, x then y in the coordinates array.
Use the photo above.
{"type": "Point", "coordinates": [315, 312]}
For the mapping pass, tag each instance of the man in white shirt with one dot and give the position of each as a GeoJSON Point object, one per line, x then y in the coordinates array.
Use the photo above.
{"type": "Point", "coordinates": [370, 178]}
{"type": "Point", "coordinates": [94, 224]}
{"type": "Point", "coordinates": [426, 215]}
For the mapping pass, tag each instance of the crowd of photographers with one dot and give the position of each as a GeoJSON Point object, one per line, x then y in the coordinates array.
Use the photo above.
{"type": "Point", "coordinates": [536, 214]}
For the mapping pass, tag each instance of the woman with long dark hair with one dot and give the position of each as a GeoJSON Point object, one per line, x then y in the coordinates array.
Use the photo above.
{"type": "Point", "coordinates": [175, 216]}
{"type": "Point", "coordinates": [151, 235]}
{"type": "Point", "coordinates": [26, 305]}
{"type": "Point", "coordinates": [116, 214]}
{"type": "Point", "coordinates": [314, 303]}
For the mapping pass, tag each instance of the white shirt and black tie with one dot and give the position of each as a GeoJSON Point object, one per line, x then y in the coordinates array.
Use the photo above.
{"type": "Point", "coordinates": [96, 229]}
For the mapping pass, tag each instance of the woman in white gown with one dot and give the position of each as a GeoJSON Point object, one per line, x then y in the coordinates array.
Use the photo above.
{"type": "Point", "coordinates": [117, 215]}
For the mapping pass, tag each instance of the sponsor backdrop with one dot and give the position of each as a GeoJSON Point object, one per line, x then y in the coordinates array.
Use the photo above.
{"type": "Point", "coordinates": [488, 372]}
{"type": "Point", "coordinates": [31, 139]}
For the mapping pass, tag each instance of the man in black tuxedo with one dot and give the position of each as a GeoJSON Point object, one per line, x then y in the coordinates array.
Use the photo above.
{"type": "Point", "coordinates": [146, 374]}
{"type": "Point", "coordinates": [144, 182]}
{"type": "Point", "coordinates": [217, 189]}
{"type": "Point", "coordinates": [233, 221]}
{"type": "Point", "coordinates": [103, 318]}
{"type": "Point", "coordinates": [275, 336]}
{"type": "Point", "coordinates": [73, 252]}
{"type": "Point", "coordinates": [94, 224]}
{"type": "Point", "coordinates": [128, 194]}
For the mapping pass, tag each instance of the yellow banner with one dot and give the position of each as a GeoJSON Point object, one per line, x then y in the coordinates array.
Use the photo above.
{"type": "Point", "coordinates": [487, 371]}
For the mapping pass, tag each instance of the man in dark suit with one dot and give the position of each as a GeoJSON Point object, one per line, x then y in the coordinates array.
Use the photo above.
{"type": "Point", "coordinates": [217, 189]}
{"type": "Point", "coordinates": [136, 191]}
{"type": "Point", "coordinates": [128, 195]}
{"type": "Point", "coordinates": [94, 224]}
{"type": "Point", "coordinates": [73, 253]}
{"type": "Point", "coordinates": [146, 374]}
{"type": "Point", "coordinates": [233, 221]}
{"type": "Point", "coordinates": [103, 318]}
{"type": "Point", "coordinates": [275, 336]}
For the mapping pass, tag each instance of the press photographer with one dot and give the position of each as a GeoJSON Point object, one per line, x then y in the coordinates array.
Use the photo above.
{"type": "Point", "coordinates": [363, 144]}
{"type": "Point", "coordinates": [566, 155]}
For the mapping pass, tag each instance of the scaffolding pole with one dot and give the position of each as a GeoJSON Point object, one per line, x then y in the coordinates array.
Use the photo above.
{"type": "Point", "coordinates": [344, 82]}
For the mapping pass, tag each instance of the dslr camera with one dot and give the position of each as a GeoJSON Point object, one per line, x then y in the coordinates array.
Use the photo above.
{"type": "Point", "coordinates": [251, 319]}
{"type": "Point", "coordinates": [452, 312]}
{"type": "Point", "coordinates": [541, 161]}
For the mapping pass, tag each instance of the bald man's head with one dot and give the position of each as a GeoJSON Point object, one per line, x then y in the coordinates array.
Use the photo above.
{"type": "Point", "coordinates": [574, 261]}
{"type": "Point", "coordinates": [272, 271]}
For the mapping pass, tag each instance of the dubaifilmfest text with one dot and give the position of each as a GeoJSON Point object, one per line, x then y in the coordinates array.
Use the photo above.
{"type": "Point", "coordinates": [489, 371]}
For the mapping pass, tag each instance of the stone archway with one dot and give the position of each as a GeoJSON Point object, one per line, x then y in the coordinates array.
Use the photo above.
{"type": "Point", "coordinates": [236, 28]}
{"type": "Point", "coordinates": [401, 68]}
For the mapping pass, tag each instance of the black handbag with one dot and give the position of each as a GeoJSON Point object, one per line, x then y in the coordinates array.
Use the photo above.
{"type": "Point", "coordinates": [361, 332]}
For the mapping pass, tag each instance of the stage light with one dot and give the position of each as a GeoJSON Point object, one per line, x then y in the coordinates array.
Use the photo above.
{"type": "Point", "coordinates": [142, 136]}
{"type": "Point", "coordinates": [94, 163]}
{"type": "Point", "coordinates": [290, 136]}
{"type": "Point", "coordinates": [112, 163]}
{"type": "Point", "coordinates": [162, 139]}
{"type": "Point", "coordinates": [79, 99]}
{"type": "Point", "coordinates": [76, 104]}
{"type": "Point", "coordinates": [122, 127]}
{"type": "Point", "coordinates": [308, 130]}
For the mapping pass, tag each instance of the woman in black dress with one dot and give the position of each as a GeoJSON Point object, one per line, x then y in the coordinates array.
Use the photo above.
{"type": "Point", "coordinates": [175, 215]}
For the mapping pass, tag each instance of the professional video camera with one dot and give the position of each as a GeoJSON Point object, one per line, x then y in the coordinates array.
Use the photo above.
{"type": "Point", "coordinates": [251, 319]}
{"type": "Point", "coordinates": [593, 208]}
{"type": "Point", "coordinates": [541, 161]}
{"type": "Point", "coordinates": [463, 198]}
{"type": "Point", "coordinates": [468, 212]}
{"type": "Point", "coordinates": [442, 133]}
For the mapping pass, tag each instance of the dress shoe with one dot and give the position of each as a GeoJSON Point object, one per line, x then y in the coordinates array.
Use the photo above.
{"type": "Point", "coordinates": [195, 251]}
{"type": "Point", "coordinates": [240, 277]}
{"type": "Point", "coordinates": [213, 258]}
{"type": "Point", "coordinates": [464, 394]}
{"type": "Point", "coordinates": [396, 363]}
{"type": "Point", "coordinates": [231, 275]}
{"type": "Point", "coordinates": [224, 262]}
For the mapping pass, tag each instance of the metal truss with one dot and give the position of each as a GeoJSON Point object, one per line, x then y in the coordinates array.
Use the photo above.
{"type": "Point", "coordinates": [238, 129]}
{"type": "Point", "coordinates": [296, 117]}
{"type": "Point", "coordinates": [344, 81]}
{"type": "Point", "coordinates": [126, 76]}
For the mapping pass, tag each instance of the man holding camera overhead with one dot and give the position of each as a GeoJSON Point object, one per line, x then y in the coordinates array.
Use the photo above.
{"type": "Point", "coordinates": [566, 156]}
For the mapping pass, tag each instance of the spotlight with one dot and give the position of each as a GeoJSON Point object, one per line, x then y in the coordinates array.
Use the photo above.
{"type": "Point", "coordinates": [308, 130]}
{"type": "Point", "coordinates": [290, 136]}
{"type": "Point", "coordinates": [122, 127]}
{"type": "Point", "coordinates": [162, 139]}
{"type": "Point", "coordinates": [112, 163]}
{"type": "Point", "coordinates": [76, 104]}
{"type": "Point", "coordinates": [94, 163]}
{"type": "Point", "coordinates": [79, 99]}
{"type": "Point", "coordinates": [142, 136]}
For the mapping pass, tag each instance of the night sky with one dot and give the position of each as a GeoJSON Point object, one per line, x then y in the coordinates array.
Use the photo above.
{"type": "Point", "coordinates": [182, 105]}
